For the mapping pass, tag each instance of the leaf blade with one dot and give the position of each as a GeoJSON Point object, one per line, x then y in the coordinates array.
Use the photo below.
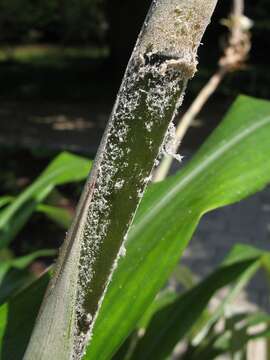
{"type": "Point", "coordinates": [64, 168]}
{"type": "Point", "coordinates": [191, 193]}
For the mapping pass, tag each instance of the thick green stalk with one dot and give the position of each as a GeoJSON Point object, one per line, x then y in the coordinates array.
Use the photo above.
{"type": "Point", "coordinates": [162, 62]}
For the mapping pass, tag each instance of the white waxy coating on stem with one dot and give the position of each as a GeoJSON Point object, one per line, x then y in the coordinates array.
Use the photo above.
{"type": "Point", "coordinates": [174, 30]}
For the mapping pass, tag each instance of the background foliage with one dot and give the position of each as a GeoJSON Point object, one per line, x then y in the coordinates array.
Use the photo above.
{"type": "Point", "coordinates": [51, 21]}
{"type": "Point", "coordinates": [116, 23]}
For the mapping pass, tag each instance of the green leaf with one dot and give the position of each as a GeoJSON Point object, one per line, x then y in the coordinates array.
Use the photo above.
{"type": "Point", "coordinates": [63, 169]}
{"type": "Point", "coordinates": [5, 200]}
{"type": "Point", "coordinates": [14, 275]}
{"type": "Point", "coordinates": [238, 253]}
{"type": "Point", "coordinates": [266, 268]}
{"type": "Point", "coordinates": [59, 215]}
{"type": "Point", "coordinates": [175, 321]}
{"type": "Point", "coordinates": [183, 276]}
{"type": "Point", "coordinates": [17, 319]}
{"type": "Point", "coordinates": [232, 164]}
{"type": "Point", "coordinates": [163, 299]}
{"type": "Point", "coordinates": [233, 338]}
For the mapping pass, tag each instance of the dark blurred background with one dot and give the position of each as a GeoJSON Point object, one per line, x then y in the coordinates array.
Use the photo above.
{"type": "Point", "coordinates": [61, 63]}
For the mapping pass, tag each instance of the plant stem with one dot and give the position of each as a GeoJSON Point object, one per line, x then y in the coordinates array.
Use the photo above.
{"type": "Point", "coordinates": [187, 120]}
{"type": "Point", "coordinates": [163, 60]}
{"type": "Point", "coordinates": [232, 60]}
{"type": "Point", "coordinates": [237, 13]}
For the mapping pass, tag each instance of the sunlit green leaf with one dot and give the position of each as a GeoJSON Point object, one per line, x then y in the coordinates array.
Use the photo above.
{"type": "Point", "coordinates": [233, 164]}
{"type": "Point", "coordinates": [63, 169]}
{"type": "Point", "coordinates": [14, 274]}
{"type": "Point", "coordinates": [175, 321]}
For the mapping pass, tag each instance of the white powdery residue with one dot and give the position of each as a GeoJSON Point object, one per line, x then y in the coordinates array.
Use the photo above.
{"type": "Point", "coordinates": [140, 193]}
{"type": "Point", "coordinates": [144, 92]}
{"type": "Point", "coordinates": [94, 232]}
{"type": "Point", "coordinates": [147, 179]}
{"type": "Point", "coordinates": [154, 101]}
{"type": "Point", "coordinates": [170, 144]}
{"type": "Point", "coordinates": [98, 215]}
{"type": "Point", "coordinates": [168, 81]}
{"type": "Point", "coordinates": [128, 99]}
{"type": "Point", "coordinates": [119, 184]}
{"type": "Point", "coordinates": [122, 132]}
{"type": "Point", "coordinates": [122, 251]}
{"type": "Point", "coordinates": [149, 125]}
{"type": "Point", "coordinates": [164, 83]}
{"type": "Point", "coordinates": [177, 157]}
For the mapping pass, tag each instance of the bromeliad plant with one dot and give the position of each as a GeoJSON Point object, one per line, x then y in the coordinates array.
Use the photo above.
{"type": "Point", "coordinates": [95, 290]}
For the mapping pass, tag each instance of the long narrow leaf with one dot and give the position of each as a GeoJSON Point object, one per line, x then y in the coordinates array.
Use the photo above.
{"type": "Point", "coordinates": [232, 164]}
{"type": "Point", "coordinates": [17, 319]}
{"type": "Point", "coordinates": [163, 60]}
{"type": "Point", "coordinates": [64, 168]}
{"type": "Point", "coordinates": [14, 274]}
{"type": "Point", "coordinates": [175, 321]}
{"type": "Point", "coordinates": [59, 215]}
